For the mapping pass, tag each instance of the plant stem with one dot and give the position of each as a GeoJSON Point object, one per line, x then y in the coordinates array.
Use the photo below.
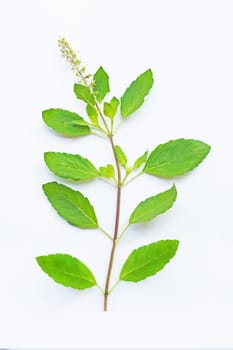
{"type": "Point", "coordinates": [132, 178]}
{"type": "Point", "coordinates": [103, 119]}
{"type": "Point", "coordinates": [118, 204]}
{"type": "Point", "coordinates": [126, 176]}
{"type": "Point", "coordinates": [105, 232]}
{"type": "Point", "coordinates": [118, 126]}
{"type": "Point", "coordinates": [113, 287]}
{"type": "Point", "coordinates": [98, 286]}
{"type": "Point", "coordinates": [122, 233]}
{"type": "Point", "coordinates": [116, 229]}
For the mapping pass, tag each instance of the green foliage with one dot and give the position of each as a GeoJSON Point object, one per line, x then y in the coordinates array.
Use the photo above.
{"type": "Point", "coordinates": [176, 157]}
{"type": "Point", "coordinates": [107, 171]}
{"type": "Point", "coordinates": [146, 261]}
{"type": "Point", "coordinates": [134, 96]}
{"type": "Point", "coordinates": [67, 270]}
{"type": "Point", "coordinates": [101, 86]}
{"type": "Point", "coordinates": [153, 206]}
{"type": "Point", "coordinates": [83, 93]}
{"type": "Point", "coordinates": [110, 109]}
{"type": "Point", "coordinates": [92, 114]}
{"type": "Point", "coordinates": [70, 166]}
{"type": "Point", "coordinates": [71, 205]}
{"type": "Point", "coordinates": [141, 160]}
{"type": "Point", "coordinates": [65, 123]}
{"type": "Point", "coordinates": [167, 160]}
{"type": "Point", "coordinates": [122, 159]}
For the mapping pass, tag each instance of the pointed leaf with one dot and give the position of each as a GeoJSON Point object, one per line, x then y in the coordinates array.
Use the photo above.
{"type": "Point", "coordinates": [141, 160]}
{"type": "Point", "coordinates": [71, 205]}
{"type": "Point", "coordinates": [65, 122]}
{"type": "Point", "coordinates": [101, 87]}
{"type": "Point", "coordinates": [176, 157]}
{"type": "Point", "coordinates": [92, 114]}
{"type": "Point", "coordinates": [83, 93]}
{"type": "Point", "coordinates": [108, 171]}
{"type": "Point", "coordinates": [70, 166]}
{"type": "Point", "coordinates": [67, 270]}
{"type": "Point", "coordinates": [153, 206]}
{"type": "Point", "coordinates": [110, 109]}
{"type": "Point", "coordinates": [134, 96]}
{"type": "Point", "coordinates": [146, 261]}
{"type": "Point", "coordinates": [121, 157]}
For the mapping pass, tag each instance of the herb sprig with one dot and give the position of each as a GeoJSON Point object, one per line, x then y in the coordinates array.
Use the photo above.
{"type": "Point", "coordinates": [167, 160]}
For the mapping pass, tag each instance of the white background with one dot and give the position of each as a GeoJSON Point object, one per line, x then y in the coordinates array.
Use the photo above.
{"type": "Point", "coordinates": [188, 45]}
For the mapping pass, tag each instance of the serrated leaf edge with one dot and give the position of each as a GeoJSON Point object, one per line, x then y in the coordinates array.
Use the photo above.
{"type": "Point", "coordinates": [125, 115]}
{"type": "Point", "coordinates": [96, 223]}
{"type": "Point", "coordinates": [174, 240]}
{"type": "Point", "coordinates": [167, 162]}
{"type": "Point", "coordinates": [170, 189]}
{"type": "Point", "coordinates": [65, 273]}
{"type": "Point", "coordinates": [97, 174]}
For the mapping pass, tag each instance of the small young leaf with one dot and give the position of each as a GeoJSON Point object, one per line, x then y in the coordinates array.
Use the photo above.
{"type": "Point", "coordinates": [92, 114]}
{"type": "Point", "coordinates": [67, 270]}
{"type": "Point", "coordinates": [71, 205]}
{"type": "Point", "coordinates": [108, 171]}
{"type": "Point", "coordinates": [70, 166]}
{"type": "Point", "coordinates": [121, 157]}
{"type": "Point", "coordinates": [176, 157]}
{"type": "Point", "coordinates": [101, 87]}
{"type": "Point", "coordinates": [83, 93]}
{"type": "Point", "coordinates": [146, 261]}
{"type": "Point", "coordinates": [141, 160]}
{"type": "Point", "coordinates": [110, 109]}
{"type": "Point", "coordinates": [153, 206]}
{"type": "Point", "coordinates": [65, 123]}
{"type": "Point", "coordinates": [134, 95]}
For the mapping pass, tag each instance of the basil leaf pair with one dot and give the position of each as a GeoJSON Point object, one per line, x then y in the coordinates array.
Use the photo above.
{"type": "Point", "coordinates": [143, 262]}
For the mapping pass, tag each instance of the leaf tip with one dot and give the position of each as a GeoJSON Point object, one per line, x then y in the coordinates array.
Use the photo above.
{"type": "Point", "coordinates": [47, 185]}
{"type": "Point", "coordinates": [44, 115]}
{"type": "Point", "coordinates": [39, 260]}
{"type": "Point", "coordinates": [173, 188]}
{"type": "Point", "coordinates": [46, 155]}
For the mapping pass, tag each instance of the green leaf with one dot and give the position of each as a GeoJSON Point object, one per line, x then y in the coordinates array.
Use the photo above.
{"type": "Point", "coordinates": [146, 261]}
{"type": "Point", "coordinates": [101, 87]}
{"type": "Point", "coordinates": [121, 157]}
{"type": "Point", "coordinates": [71, 205]}
{"type": "Point", "coordinates": [108, 171]}
{"type": "Point", "coordinates": [83, 93]}
{"type": "Point", "coordinates": [153, 206]}
{"type": "Point", "coordinates": [80, 122]}
{"type": "Point", "coordinates": [134, 96]}
{"type": "Point", "coordinates": [67, 270]}
{"type": "Point", "coordinates": [70, 166]}
{"type": "Point", "coordinates": [65, 123]}
{"type": "Point", "coordinates": [141, 160]}
{"type": "Point", "coordinates": [176, 157]}
{"type": "Point", "coordinates": [110, 109]}
{"type": "Point", "coordinates": [92, 114]}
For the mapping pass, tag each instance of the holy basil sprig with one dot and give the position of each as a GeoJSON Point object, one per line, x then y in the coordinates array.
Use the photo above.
{"type": "Point", "coordinates": [168, 160]}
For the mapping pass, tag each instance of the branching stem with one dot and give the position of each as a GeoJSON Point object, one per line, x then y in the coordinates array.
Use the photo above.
{"type": "Point", "coordinates": [118, 204]}
{"type": "Point", "coordinates": [98, 286]}
{"type": "Point", "coordinates": [103, 119]}
{"type": "Point", "coordinates": [116, 228]}
{"type": "Point", "coordinates": [113, 287]}
{"type": "Point", "coordinates": [132, 178]}
{"type": "Point", "coordinates": [123, 232]}
{"type": "Point", "coordinates": [105, 232]}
